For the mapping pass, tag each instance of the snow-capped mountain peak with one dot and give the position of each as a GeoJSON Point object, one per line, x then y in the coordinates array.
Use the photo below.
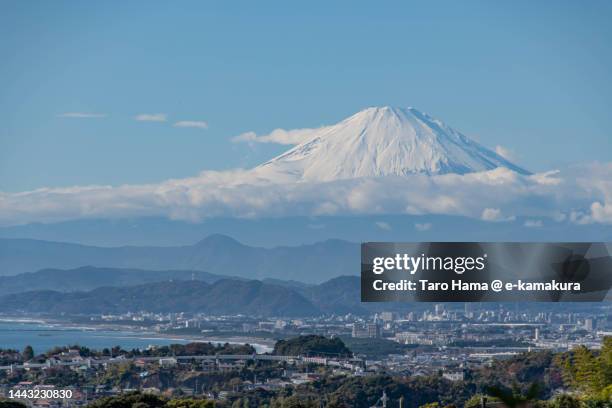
{"type": "Point", "coordinates": [382, 141]}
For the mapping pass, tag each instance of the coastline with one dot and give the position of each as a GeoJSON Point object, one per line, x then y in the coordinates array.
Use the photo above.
{"type": "Point", "coordinates": [262, 345]}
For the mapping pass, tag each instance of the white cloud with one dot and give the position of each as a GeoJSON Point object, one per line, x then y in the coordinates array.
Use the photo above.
{"type": "Point", "coordinates": [583, 193]}
{"type": "Point", "coordinates": [505, 153]}
{"type": "Point", "coordinates": [151, 117]}
{"type": "Point", "coordinates": [426, 226]}
{"type": "Point", "coordinates": [594, 181]}
{"type": "Point", "coordinates": [533, 223]}
{"type": "Point", "coordinates": [383, 225]}
{"type": "Point", "coordinates": [198, 124]}
{"type": "Point", "coordinates": [601, 212]}
{"type": "Point", "coordinates": [82, 115]}
{"type": "Point", "coordinates": [280, 136]}
{"type": "Point", "coordinates": [495, 215]}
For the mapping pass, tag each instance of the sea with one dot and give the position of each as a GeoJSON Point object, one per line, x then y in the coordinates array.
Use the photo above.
{"type": "Point", "coordinates": [45, 336]}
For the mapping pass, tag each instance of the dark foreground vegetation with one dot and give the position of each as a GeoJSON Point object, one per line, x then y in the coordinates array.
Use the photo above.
{"type": "Point", "coordinates": [581, 378]}
{"type": "Point", "coordinates": [312, 345]}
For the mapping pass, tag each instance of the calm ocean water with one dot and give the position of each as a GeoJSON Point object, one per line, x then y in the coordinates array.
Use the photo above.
{"type": "Point", "coordinates": [43, 337]}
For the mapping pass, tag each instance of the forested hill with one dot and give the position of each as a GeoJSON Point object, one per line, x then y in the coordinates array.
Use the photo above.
{"type": "Point", "coordinates": [226, 296]}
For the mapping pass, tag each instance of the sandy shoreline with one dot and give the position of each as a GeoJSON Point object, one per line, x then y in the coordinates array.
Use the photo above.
{"type": "Point", "coordinates": [261, 344]}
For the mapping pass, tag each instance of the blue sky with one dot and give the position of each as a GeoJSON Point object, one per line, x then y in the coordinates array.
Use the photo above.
{"type": "Point", "coordinates": [531, 76]}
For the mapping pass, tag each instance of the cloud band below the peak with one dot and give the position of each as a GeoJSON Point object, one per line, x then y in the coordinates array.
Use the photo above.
{"type": "Point", "coordinates": [582, 195]}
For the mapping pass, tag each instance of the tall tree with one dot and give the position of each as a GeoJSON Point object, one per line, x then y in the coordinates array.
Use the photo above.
{"type": "Point", "coordinates": [589, 376]}
{"type": "Point", "coordinates": [606, 360]}
{"type": "Point", "coordinates": [28, 353]}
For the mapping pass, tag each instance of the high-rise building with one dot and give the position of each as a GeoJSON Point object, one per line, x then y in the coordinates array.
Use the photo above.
{"type": "Point", "coordinates": [373, 330]}
{"type": "Point", "coordinates": [370, 330]}
{"type": "Point", "coordinates": [589, 324]}
{"type": "Point", "coordinates": [468, 310]}
{"type": "Point", "coordinates": [387, 316]}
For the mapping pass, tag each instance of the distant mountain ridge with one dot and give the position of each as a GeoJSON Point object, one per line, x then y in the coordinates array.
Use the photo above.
{"type": "Point", "coordinates": [95, 290]}
{"type": "Point", "coordinates": [338, 296]}
{"type": "Point", "coordinates": [226, 296]}
{"type": "Point", "coordinates": [90, 277]}
{"type": "Point", "coordinates": [216, 254]}
{"type": "Point", "coordinates": [296, 231]}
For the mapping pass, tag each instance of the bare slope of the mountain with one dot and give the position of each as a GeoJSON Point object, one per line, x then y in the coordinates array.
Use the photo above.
{"type": "Point", "coordinates": [381, 142]}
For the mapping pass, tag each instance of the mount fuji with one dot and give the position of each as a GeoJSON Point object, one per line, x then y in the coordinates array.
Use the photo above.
{"type": "Point", "coordinates": [382, 141]}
